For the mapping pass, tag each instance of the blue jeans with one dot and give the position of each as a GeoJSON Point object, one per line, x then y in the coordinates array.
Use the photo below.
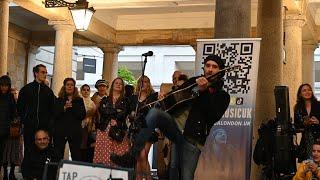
{"type": "Point", "coordinates": [188, 153]}
{"type": "Point", "coordinates": [189, 160]}
{"type": "Point", "coordinates": [174, 162]}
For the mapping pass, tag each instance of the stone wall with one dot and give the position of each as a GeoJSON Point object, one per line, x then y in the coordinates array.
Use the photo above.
{"type": "Point", "coordinates": [17, 55]}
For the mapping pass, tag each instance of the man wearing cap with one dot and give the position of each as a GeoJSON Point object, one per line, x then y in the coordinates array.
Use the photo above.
{"type": "Point", "coordinates": [203, 112]}
{"type": "Point", "coordinates": [102, 87]}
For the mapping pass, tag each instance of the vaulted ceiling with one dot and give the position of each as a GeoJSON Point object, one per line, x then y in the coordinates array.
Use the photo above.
{"type": "Point", "coordinates": [122, 15]}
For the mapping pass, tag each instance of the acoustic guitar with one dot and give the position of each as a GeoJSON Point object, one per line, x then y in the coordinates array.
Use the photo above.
{"type": "Point", "coordinates": [183, 95]}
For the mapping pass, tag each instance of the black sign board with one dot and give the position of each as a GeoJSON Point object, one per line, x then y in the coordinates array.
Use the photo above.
{"type": "Point", "coordinates": [89, 65]}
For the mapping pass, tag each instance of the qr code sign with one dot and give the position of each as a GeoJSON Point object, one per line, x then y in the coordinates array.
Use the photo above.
{"type": "Point", "coordinates": [234, 54]}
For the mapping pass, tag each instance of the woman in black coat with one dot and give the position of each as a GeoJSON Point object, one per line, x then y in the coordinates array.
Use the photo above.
{"type": "Point", "coordinates": [306, 120]}
{"type": "Point", "coordinates": [69, 113]}
{"type": "Point", "coordinates": [111, 134]}
{"type": "Point", "coordinates": [7, 112]}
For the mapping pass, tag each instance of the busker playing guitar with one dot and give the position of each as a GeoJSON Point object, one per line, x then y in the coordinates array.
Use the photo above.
{"type": "Point", "coordinates": [200, 113]}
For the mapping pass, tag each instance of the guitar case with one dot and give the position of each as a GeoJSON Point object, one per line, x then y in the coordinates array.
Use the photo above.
{"type": "Point", "coordinates": [164, 157]}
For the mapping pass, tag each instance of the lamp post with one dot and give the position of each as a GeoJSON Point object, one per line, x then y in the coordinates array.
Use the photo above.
{"type": "Point", "coordinates": [80, 11]}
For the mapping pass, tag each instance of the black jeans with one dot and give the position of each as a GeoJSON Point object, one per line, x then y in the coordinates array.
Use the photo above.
{"type": "Point", "coordinates": [3, 141]}
{"type": "Point", "coordinates": [162, 120]}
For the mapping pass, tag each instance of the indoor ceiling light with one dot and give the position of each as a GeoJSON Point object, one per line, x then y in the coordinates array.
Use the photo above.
{"type": "Point", "coordinates": [80, 11]}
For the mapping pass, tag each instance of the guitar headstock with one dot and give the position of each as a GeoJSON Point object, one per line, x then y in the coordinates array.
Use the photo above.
{"type": "Point", "coordinates": [231, 68]}
{"type": "Point", "coordinates": [227, 69]}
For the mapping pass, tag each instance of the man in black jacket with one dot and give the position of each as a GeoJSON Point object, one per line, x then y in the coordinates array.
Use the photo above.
{"type": "Point", "coordinates": [33, 163]}
{"type": "Point", "coordinates": [35, 105]}
{"type": "Point", "coordinates": [202, 113]}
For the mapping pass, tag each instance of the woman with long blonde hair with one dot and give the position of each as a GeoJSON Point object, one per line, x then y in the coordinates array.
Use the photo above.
{"type": "Point", "coordinates": [144, 94]}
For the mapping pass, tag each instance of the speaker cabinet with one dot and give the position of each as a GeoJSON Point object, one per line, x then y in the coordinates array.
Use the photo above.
{"type": "Point", "coordinates": [284, 160]}
{"type": "Point", "coordinates": [281, 94]}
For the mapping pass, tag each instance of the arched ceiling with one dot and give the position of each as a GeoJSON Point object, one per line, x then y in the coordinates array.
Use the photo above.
{"type": "Point", "coordinates": [115, 16]}
{"type": "Point", "coordinates": [158, 14]}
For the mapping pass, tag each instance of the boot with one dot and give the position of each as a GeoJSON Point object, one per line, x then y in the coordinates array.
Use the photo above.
{"type": "Point", "coordinates": [11, 175]}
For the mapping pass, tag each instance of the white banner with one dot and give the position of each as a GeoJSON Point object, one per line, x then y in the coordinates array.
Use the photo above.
{"type": "Point", "coordinates": [227, 152]}
{"type": "Point", "coordinates": [86, 171]}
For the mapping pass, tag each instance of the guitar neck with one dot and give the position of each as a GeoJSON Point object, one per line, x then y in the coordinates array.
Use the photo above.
{"type": "Point", "coordinates": [184, 94]}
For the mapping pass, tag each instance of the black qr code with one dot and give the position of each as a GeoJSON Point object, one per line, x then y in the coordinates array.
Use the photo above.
{"type": "Point", "coordinates": [237, 81]}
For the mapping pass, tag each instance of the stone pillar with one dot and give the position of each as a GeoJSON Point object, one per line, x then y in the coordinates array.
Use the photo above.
{"type": "Point", "coordinates": [62, 67]}
{"type": "Point", "coordinates": [308, 48]}
{"type": "Point", "coordinates": [4, 29]}
{"type": "Point", "coordinates": [270, 29]}
{"type": "Point", "coordinates": [32, 53]}
{"type": "Point", "coordinates": [110, 61]}
{"type": "Point", "coordinates": [232, 19]}
{"type": "Point", "coordinates": [292, 68]}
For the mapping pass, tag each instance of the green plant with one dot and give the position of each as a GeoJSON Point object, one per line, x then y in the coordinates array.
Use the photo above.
{"type": "Point", "coordinates": [127, 75]}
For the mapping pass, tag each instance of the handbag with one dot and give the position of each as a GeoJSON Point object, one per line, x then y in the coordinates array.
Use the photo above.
{"type": "Point", "coordinates": [15, 130]}
{"type": "Point", "coordinates": [116, 133]}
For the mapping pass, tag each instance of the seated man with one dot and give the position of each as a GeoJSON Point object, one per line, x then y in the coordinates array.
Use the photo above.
{"type": "Point", "coordinates": [310, 169]}
{"type": "Point", "coordinates": [35, 158]}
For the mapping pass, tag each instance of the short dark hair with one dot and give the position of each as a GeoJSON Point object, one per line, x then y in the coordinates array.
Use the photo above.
{"type": "Point", "coordinates": [43, 130]}
{"type": "Point", "coordinates": [85, 85]}
{"type": "Point", "coordinates": [217, 59]}
{"type": "Point", "coordinates": [316, 141]}
{"type": "Point", "coordinates": [183, 77]}
{"type": "Point", "coordinates": [5, 81]}
{"type": "Point", "coordinates": [128, 90]}
{"type": "Point", "coordinates": [37, 68]}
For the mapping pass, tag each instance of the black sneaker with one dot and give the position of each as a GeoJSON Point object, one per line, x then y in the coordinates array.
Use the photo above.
{"type": "Point", "coordinates": [126, 160]}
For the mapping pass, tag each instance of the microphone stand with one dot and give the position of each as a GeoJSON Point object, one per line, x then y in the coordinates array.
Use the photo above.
{"type": "Point", "coordinates": [142, 76]}
{"type": "Point", "coordinates": [134, 125]}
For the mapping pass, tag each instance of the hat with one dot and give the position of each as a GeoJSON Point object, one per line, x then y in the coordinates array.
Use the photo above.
{"type": "Point", "coordinates": [216, 59]}
{"type": "Point", "coordinates": [101, 82]}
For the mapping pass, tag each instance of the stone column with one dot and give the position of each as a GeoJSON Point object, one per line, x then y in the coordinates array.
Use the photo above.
{"type": "Point", "coordinates": [32, 53]}
{"type": "Point", "coordinates": [232, 19]}
{"type": "Point", "coordinates": [308, 48]}
{"type": "Point", "coordinates": [292, 68]}
{"type": "Point", "coordinates": [270, 29]}
{"type": "Point", "coordinates": [110, 61]}
{"type": "Point", "coordinates": [4, 29]}
{"type": "Point", "coordinates": [62, 67]}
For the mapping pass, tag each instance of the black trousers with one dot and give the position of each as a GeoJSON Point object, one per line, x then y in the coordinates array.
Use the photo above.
{"type": "Point", "coordinates": [3, 140]}
{"type": "Point", "coordinates": [74, 141]}
{"type": "Point", "coordinates": [28, 140]}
